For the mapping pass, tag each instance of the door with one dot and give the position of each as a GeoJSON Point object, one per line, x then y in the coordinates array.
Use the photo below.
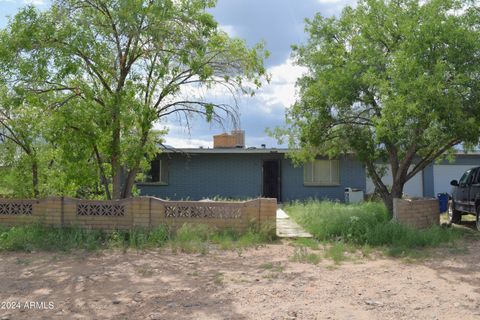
{"type": "Point", "coordinates": [271, 179]}
{"type": "Point", "coordinates": [474, 191]}
{"type": "Point", "coordinates": [462, 192]}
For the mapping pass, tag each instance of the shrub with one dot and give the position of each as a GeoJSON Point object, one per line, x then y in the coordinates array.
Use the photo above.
{"type": "Point", "coordinates": [365, 224]}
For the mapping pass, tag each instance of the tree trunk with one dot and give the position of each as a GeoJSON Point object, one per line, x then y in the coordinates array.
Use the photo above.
{"type": "Point", "coordinates": [115, 160]}
{"type": "Point", "coordinates": [103, 177]}
{"type": "Point", "coordinates": [130, 181]}
{"type": "Point", "coordinates": [36, 192]}
{"type": "Point", "coordinates": [396, 192]}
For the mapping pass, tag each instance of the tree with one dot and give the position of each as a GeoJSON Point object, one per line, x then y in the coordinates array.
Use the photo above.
{"type": "Point", "coordinates": [391, 81]}
{"type": "Point", "coordinates": [114, 68]}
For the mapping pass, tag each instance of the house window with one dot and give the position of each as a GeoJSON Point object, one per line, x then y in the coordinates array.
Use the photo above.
{"type": "Point", "coordinates": [321, 173]}
{"type": "Point", "coordinates": [158, 172]}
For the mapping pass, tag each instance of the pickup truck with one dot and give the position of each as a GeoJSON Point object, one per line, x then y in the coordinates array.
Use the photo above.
{"type": "Point", "coordinates": [465, 197]}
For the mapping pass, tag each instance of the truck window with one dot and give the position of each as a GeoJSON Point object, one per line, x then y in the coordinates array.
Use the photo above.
{"type": "Point", "coordinates": [464, 178]}
{"type": "Point", "coordinates": [476, 177]}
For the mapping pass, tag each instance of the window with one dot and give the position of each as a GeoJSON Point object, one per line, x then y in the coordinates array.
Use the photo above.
{"type": "Point", "coordinates": [158, 172]}
{"type": "Point", "coordinates": [321, 173]}
{"type": "Point", "coordinates": [465, 178]}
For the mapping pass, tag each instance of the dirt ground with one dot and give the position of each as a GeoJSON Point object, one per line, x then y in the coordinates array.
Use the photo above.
{"type": "Point", "coordinates": [260, 283]}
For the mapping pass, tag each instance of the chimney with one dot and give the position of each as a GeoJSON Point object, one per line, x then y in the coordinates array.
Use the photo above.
{"type": "Point", "coordinates": [236, 139]}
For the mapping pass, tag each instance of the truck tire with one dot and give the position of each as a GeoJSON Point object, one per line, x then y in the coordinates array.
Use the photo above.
{"type": "Point", "coordinates": [454, 216]}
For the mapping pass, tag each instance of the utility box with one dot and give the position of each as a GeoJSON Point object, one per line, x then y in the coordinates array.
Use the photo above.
{"type": "Point", "coordinates": [353, 195]}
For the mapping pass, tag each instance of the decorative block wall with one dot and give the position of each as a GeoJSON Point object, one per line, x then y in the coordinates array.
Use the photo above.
{"type": "Point", "coordinates": [143, 212]}
{"type": "Point", "coordinates": [418, 213]}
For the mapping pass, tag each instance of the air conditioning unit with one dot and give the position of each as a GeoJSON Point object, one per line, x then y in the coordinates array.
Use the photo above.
{"type": "Point", "coordinates": [353, 195]}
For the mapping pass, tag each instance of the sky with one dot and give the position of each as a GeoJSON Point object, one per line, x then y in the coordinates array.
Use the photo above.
{"type": "Point", "coordinates": [280, 24]}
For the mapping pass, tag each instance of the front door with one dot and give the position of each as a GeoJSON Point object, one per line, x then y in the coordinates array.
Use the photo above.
{"type": "Point", "coordinates": [271, 179]}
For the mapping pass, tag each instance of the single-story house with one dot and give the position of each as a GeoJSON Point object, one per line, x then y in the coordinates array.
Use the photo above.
{"type": "Point", "coordinates": [229, 170]}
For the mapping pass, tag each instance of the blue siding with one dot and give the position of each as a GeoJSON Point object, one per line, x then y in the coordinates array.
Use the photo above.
{"type": "Point", "coordinates": [352, 174]}
{"type": "Point", "coordinates": [240, 176]}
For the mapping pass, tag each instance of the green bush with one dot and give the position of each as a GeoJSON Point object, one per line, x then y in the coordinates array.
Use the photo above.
{"type": "Point", "coordinates": [366, 223]}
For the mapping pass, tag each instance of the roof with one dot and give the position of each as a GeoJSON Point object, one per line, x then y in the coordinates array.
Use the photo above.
{"type": "Point", "coordinates": [228, 150]}
{"type": "Point", "coordinates": [254, 150]}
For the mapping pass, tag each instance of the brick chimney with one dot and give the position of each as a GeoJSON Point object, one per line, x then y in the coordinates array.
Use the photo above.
{"type": "Point", "coordinates": [235, 139]}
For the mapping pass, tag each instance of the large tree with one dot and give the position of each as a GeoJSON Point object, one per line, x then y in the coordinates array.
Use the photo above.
{"type": "Point", "coordinates": [394, 82]}
{"type": "Point", "coordinates": [113, 68]}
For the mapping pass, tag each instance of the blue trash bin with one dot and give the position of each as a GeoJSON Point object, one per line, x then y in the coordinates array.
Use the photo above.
{"type": "Point", "coordinates": [442, 202]}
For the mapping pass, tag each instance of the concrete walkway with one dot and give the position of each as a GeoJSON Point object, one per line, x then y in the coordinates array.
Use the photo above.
{"type": "Point", "coordinates": [287, 228]}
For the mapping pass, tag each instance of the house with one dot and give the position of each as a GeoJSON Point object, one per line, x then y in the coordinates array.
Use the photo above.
{"type": "Point", "coordinates": [229, 170]}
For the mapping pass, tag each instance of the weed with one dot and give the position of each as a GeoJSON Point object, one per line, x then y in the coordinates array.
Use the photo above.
{"type": "Point", "coordinates": [145, 270]}
{"type": "Point", "coordinates": [218, 278]}
{"type": "Point", "coordinates": [306, 242]}
{"type": "Point", "coordinates": [190, 238]}
{"type": "Point", "coordinates": [302, 255]}
{"type": "Point", "coordinates": [273, 266]}
{"type": "Point", "coordinates": [23, 262]}
{"type": "Point", "coordinates": [367, 224]}
{"type": "Point", "coordinates": [336, 252]}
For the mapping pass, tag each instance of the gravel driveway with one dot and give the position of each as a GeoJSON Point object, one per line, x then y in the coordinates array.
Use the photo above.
{"type": "Point", "coordinates": [258, 283]}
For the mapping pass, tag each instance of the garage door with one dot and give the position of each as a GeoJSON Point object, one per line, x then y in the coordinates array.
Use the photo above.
{"type": "Point", "coordinates": [444, 173]}
{"type": "Point", "coordinates": [413, 188]}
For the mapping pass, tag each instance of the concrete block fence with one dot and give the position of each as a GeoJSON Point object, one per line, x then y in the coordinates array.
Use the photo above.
{"type": "Point", "coordinates": [418, 213]}
{"type": "Point", "coordinates": [142, 212]}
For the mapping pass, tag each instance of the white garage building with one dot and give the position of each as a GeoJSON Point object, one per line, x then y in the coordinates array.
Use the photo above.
{"type": "Point", "coordinates": [435, 178]}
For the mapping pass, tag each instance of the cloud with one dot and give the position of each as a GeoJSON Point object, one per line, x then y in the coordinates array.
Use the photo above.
{"type": "Point", "coordinates": [34, 2]}
{"type": "Point", "coordinates": [329, 1]}
{"type": "Point", "coordinates": [187, 142]}
{"type": "Point", "coordinates": [229, 29]}
{"type": "Point", "coordinates": [282, 90]}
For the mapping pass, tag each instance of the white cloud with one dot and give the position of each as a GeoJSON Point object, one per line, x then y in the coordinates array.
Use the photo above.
{"type": "Point", "coordinates": [329, 1]}
{"type": "Point", "coordinates": [35, 2]}
{"type": "Point", "coordinates": [281, 89]}
{"type": "Point", "coordinates": [229, 29]}
{"type": "Point", "coordinates": [182, 142]}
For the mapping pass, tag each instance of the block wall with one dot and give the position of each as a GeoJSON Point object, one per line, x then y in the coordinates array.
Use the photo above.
{"type": "Point", "coordinates": [140, 212]}
{"type": "Point", "coordinates": [418, 213]}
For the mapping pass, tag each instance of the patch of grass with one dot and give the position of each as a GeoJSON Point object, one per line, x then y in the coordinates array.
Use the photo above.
{"type": "Point", "coordinates": [302, 255]}
{"type": "Point", "coordinates": [145, 270]}
{"type": "Point", "coordinates": [218, 278]}
{"type": "Point", "coordinates": [272, 266]}
{"type": "Point", "coordinates": [306, 242]}
{"type": "Point", "coordinates": [336, 252]}
{"type": "Point", "coordinates": [23, 262]}
{"type": "Point", "coordinates": [367, 224]}
{"type": "Point", "coordinates": [366, 250]}
{"type": "Point", "coordinates": [190, 238]}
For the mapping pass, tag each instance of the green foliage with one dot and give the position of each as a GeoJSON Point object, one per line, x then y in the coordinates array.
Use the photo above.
{"type": "Point", "coordinates": [188, 238]}
{"type": "Point", "coordinates": [389, 81]}
{"type": "Point", "coordinates": [86, 85]}
{"type": "Point", "coordinates": [366, 224]}
{"type": "Point", "coordinates": [336, 252]}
